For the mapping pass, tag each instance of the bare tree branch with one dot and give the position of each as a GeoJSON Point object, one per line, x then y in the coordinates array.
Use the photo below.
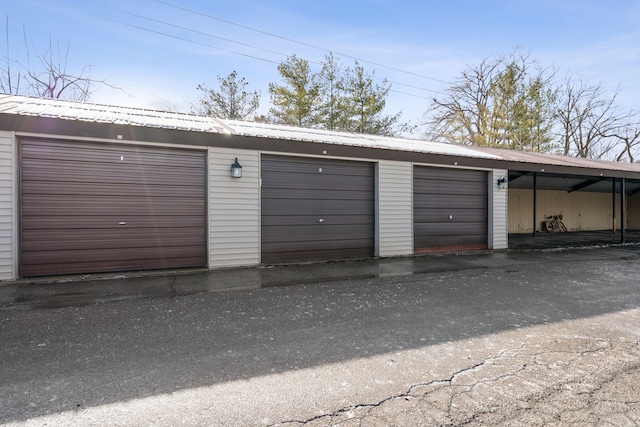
{"type": "Point", "coordinates": [589, 119]}
{"type": "Point", "coordinates": [45, 75]}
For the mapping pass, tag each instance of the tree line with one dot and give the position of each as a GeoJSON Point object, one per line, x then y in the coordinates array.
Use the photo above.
{"type": "Point", "coordinates": [509, 102]}
{"type": "Point", "coordinates": [513, 102]}
{"type": "Point", "coordinates": [335, 98]}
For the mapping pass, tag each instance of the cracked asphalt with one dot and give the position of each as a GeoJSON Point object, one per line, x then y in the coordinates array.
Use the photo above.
{"type": "Point", "coordinates": [528, 338]}
{"type": "Point", "coordinates": [554, 380]}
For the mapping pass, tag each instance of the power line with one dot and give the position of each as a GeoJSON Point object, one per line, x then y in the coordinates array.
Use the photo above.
{"type": "Point", "coordinates": [195, 12]}
{"type": "Point", "coordinates": [241, 44]}
{"type": "Point", "coordinates": [184, 39]}
{"type": "Point", "coordinates": [202, 33]}
{"type": "Point", "coordinates": [188, 40]}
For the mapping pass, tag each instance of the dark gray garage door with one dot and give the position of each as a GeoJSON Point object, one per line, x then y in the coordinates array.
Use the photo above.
{"type": "Point", "coordinates": [449, 209]}
{"type": "Point", "coordinates": [316, 209]}
{"type": "Point", "coordinates": [89, 207]}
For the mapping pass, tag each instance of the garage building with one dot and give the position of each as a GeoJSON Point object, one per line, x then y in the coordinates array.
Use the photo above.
{"type": "Point", "coordinates": [91, 188]}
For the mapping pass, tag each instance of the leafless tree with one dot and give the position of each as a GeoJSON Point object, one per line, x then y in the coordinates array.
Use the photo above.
{"type": "Point", "coordinates": [629, 138]}
{"type": "Point", "coordinates": [589, 120]}
{"type": "Point", "coordinates": [232, 101]}
{"type": "Point", "coordinates": [460, 116]}
{"type": "Point", "coordinates": [45, 74]}
{"type": "Point", "coordinates": [53, 80]}
{"type": "Point", "coordinates": [10, 75]}
{"type": "Point", "coordinates": [502, 102]}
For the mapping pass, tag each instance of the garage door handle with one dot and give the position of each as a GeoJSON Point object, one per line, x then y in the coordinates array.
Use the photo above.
{"type": "Point", "coordinates": [122, 223]}
{"type": "Point", "coordinates": [321, 220]}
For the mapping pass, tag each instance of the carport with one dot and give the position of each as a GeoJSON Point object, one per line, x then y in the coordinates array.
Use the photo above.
{"type": "Point", "coordinates": [599, 202]}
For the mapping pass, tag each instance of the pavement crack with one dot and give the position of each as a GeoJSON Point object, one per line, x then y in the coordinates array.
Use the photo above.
{"type": "Point", "coordinates": [509, 385]}
{"type": "Point", "coordinates": [348, 411]}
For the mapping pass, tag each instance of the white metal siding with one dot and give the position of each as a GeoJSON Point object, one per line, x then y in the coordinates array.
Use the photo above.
{"type": "Point", "coordinates": [234, 209]}
{"type": "Point", "coordinates": [7, 207]}
{"type": "Point", "coordinates": [498, 216]}
{"type": "Point", "coordinates": [395, 221]}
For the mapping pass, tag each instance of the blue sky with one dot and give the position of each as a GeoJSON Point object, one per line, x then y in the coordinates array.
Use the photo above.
{"type": "Point", "coordinates": [158, 51]}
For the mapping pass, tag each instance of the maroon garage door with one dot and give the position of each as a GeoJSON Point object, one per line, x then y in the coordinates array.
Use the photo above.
{"type": "Point", "coordinates": [88, 207]}
{"type": "Point", "coordinates": [450, 209]}
{"type": "Point", "coordinates": [316, 209]}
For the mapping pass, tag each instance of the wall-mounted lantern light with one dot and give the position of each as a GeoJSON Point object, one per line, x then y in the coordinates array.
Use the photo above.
{"type": "Point", "coordinates": [503, 182]}
{"type": "Point", "coordinates": [236, 169]}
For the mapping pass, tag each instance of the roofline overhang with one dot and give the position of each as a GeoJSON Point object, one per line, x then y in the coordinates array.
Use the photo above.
{"type": "Point", "coordinates": [64, 128]}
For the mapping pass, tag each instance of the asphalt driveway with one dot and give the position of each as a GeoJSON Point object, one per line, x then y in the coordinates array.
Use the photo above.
{"type": "Point", "coordinates": [519, 338]}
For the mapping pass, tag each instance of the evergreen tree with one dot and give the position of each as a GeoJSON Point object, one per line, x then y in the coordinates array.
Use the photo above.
{"type": "Point", "coordinates": [334, 98]}
{"type": "Point", "coordinates": [295, 102]}
{"type": "Point", "coordinates": [332, 94]}
{"type": "Point", "coordinates": [365, 102]}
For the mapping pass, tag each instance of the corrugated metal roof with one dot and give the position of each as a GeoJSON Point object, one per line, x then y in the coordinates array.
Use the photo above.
{"type": "Point", "coordinates": [70, 110]}
{"type": "Point", "coordinates": [558, 160]}
{"type": "Point", "coordinates": [268, 130]}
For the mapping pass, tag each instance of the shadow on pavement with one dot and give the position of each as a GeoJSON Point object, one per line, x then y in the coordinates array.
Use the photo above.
{"type": "Point", "coordinates": [177, 335]}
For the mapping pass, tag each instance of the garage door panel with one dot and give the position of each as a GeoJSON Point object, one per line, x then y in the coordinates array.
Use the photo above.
{"type": "Point", "coordinates": [435, 201]}
{"type": "Point", "coordinates": [316, 209]}
{"type": "Point", "coordinates": [76, 152]}
{"type": "Point", "coordinates": [314, 194]}
{"type": "Point", "coordinates": [305, 233]}
{"type": "Point", "coordinates": [467, 242]}
{"type": "Point", "coordinates": [98, 222]}
{"type": "Point", "coordinates": [126, 174]}
{"type": "Point", "coordinates": [88, 207]}
{"type": "Point", "coordinates": [345, 245]}
{"type": "Point", "coordinates": [428, 174]}
{"type": "Point", "coordinates": [315, 181]}
{"type": "Point", "coordinates": [449, 229]}
{"type": "Point", "coordinates": [442, 215]}
{"type": "Point", "coordinates": [326, 254]}
{"type": "Point", "coordinates": [112, 255]}
{"type": "Point", "coordinates": [60, 268]}
{"type": "Point", "coordinates": [114, 239]}
{"type": "Point", "coordinates": [121, 210]}
{"type": "Point", "coordinates": [448, 187]}
{"type": "Point", "coordinates": [312, 220]}
{"type": "Point", "coordinates": [450, 209]}
{"type": "Point", "coordinates": [306, 165]}
{"type": "Point", "coordinates": [110, 189]}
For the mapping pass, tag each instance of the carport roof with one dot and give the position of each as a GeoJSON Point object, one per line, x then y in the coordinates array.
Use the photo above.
{"type": "Point", "coordinates": [563, 173]}
{"type": "Point", "coordinates": [525, 159]}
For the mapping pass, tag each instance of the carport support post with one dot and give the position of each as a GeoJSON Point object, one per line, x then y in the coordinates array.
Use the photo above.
{"type": "Point", "coordinates": [535, 201]}
{"type": "Point", "coordinates": [623, 203]}
{"type": "Point", "coordinates": [613, 203]}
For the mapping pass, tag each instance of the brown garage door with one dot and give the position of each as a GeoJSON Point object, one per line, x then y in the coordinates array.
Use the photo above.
{"type": "Point", "coordinates": [316, 209]}
{"type": "Point", "coordinates": [449, 209]}
{"type": "Point", "coordinates": [89, 207]}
